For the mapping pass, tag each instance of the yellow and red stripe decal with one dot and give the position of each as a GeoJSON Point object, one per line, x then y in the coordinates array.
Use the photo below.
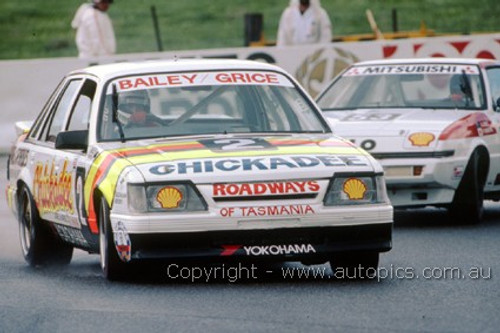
{"type": "Point", "coordinates": [107, 167]}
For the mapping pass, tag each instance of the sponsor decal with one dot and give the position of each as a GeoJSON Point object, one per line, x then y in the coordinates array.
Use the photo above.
{"type": "Point", "coordinates": [421, 139]}
{"type": "Point", "coordinates": [202, 78]}
{"type": "Point", "coordinates": [256, 164]}
{"type": "Point", "coordinates": [20, 157]}
{"type": "Point", "coordinates": [289, 187]}
{"type": "Point", "coordinates": [122, 242]}
{"type": "Point", "coordinates": [260, 211]}
{"type": "Point", "coordinates": [412, 69]}
{"type": "Point", "coordinates": [354, 188]}
{"type": "Point", "coordinates": [169, 197]}
{"type": "Point", "coordinates": [108, 165]}
{"type": "Point", "coordinates": [268, 250]}
{"type": "Point", "coordinates": [51, 190]}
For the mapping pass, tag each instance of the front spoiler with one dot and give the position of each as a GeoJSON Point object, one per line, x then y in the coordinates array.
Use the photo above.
{"type": "Point", "coordinates": [284, 244]}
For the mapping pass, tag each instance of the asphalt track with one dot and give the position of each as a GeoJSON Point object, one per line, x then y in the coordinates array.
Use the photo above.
{"type": "Point", "coordinates": [439, 277]}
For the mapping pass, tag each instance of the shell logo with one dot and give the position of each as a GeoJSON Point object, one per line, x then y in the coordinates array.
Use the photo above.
{"type": "Point", "coordinates": [421, 139]}
{"type": "Point", "coordinates": [354, 188]}
{"type": "Point", "coordinates": [169, 197]}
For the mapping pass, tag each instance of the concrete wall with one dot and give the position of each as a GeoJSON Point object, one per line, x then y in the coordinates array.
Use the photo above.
{"type": "Point", "coordinates": [25, 85]}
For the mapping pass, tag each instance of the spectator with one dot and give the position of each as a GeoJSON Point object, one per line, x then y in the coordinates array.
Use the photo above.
{"type": "Point", "coordinates": [304, 22]}
{"type": "Point", "coordinates": [94, 31]}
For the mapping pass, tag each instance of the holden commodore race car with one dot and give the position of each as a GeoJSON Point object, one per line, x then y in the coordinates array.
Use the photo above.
{"type": "Point", "coordinates": [192, 159]}
{"type": "Point", "coordinates": [433, 125]}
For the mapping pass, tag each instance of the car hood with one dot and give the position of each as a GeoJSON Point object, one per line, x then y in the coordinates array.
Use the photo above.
{"type": "Point", "coordinates": [389, 129]}
{"type": "Point", "coordinates": [231, 158]}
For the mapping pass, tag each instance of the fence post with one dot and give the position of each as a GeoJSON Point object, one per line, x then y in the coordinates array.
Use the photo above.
{"type": "Point", "coordinates": [157, 29]}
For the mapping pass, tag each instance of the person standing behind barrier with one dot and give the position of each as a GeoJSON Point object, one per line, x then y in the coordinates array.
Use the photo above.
{"type": "Point", "coordinates": [304, 22]}
{"type": "Point", "coordinates": [94, 30]}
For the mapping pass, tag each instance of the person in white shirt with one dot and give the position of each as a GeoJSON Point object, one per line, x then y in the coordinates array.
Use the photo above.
{"type": "Point", "coordinates": [304, 22]}
{"type": "Point", "coordinates": [94, 30]}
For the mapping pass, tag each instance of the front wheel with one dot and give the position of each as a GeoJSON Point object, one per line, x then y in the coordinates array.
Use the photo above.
{"type": "Point", "coordinates": [112, 266]}
{"type": "Point", "coordinates": [467, 205]}
{"type": "Point", "coordinates": [38, 244]}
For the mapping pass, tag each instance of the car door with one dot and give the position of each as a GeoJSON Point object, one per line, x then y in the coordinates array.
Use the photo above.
{"type": "Point", "coordinates": [55, 171]}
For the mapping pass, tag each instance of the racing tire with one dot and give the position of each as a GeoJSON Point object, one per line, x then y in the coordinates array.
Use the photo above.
{"type": "Point", "coordinates": [39, 245]}
{"type": "Point", "coordinates": [355, 265]}
{"type": "Point", "coordinates": [467, 205]}
{"type": "Point", "coordinates": [112, 267]}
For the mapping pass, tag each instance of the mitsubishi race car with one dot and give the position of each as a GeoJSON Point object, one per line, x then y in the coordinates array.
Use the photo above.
{"type": "Point", "coordinates": [433, 124]}
{"type": "Point", "coordinates": [192, 160]}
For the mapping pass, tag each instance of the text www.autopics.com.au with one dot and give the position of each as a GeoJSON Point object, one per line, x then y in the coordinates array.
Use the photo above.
{"type": "Point", "coordinates": [238, 272]}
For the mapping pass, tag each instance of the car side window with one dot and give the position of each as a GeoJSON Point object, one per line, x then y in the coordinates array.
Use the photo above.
{"type": "Point", "coordinates": [61, 110]}
{"type": "Point", "coordinates": [37, 127]}
{"type": "Point", "coordinates": [494, 78]}
{"type": "Point", "coordinates": [79, 119]}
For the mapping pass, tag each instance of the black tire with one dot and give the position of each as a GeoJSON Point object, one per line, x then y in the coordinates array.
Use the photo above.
{"type": "Point", "coordinates": [112, 267]}
{"type": "Point", "coordinates": [355, 265]}
{"type": "Point", "coordinates": [38, 244]}
{"type": "Point", "coordinates": [467, 205]}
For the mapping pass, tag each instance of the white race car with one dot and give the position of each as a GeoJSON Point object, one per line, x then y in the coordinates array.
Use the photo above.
{"type": "Point", "coordinates": [193, 159]}
{"type": "Point", "coordinates": [432, 123]}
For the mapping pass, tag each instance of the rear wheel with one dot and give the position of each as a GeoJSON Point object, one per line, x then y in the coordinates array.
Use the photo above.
{"type": "Point", "coordinates": [355, 265]}
{"type": "Point", "coordinates": [467, 206]}
{"type": "Point", "coordinates": [38, 244]}
{"type": "Point", "coordinates": [112, 267]}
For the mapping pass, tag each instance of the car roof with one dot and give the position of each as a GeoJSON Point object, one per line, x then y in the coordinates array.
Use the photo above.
{"type": "Point", "coordinates": [108, 71]}
{"type": "Point", "coordinates": [465, 61]}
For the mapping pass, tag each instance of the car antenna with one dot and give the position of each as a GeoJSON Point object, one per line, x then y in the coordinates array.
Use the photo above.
{"type": "Point", "coordinates": [114, 99]}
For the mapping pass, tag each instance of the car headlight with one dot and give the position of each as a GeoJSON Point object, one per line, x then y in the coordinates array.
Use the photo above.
{"type": "Point", "coordinates": [164, 198]}
{"type": "Point", "coordinates": [356, 190]}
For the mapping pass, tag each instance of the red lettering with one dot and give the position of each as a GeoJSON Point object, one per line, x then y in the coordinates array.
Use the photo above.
{"type": "Point", "coordinates": [173, 80]}
{"type": "Point", "coordinates": [219, 189]}
{"type": "Point", "coordinates": [157, 82]}
{"type": "Point", "coordinates": [190, 78]}
{"type": "Point", "coordinates": [140, 82]}
{"type": "Point", "coordinates": [245, 188]}
{"type": "Point", "coordinates": [260, 188]}
{"type": "Point", "coordinates": [289, 188]}
{"type": "Point", "coordinates": [125, 84]}
{"type": "Point", "coordinates": [272, 78]}
{"type": "Point", "coordinates": [259, 78]}
{"type": "Point", "coordinates": [238, 77]}
{"type": "Point", "coordinates": [276, 187]}
{"type": "Point", "coordinates": [232, 189]}
{"type": "Point", "coordinates": [223, 77]}
{"type": "Point", "coordinates": [313, 186]}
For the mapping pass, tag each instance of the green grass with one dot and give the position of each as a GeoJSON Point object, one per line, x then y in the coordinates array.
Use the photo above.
{"type": "Point", "coordinates": [41, 28]}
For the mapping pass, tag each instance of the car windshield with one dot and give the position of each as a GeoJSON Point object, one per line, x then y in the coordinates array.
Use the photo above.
{"type": "Point", "coordinates": [435, 86]}
{"type": "Point", "coordinates": [198, 103]}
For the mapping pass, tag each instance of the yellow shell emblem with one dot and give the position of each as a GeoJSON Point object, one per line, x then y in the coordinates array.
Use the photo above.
{"type": "Point", "coordinates": [354, 188]}
{"type": "Point", "coordinates": [421, 139]}
{"type": "Point", "coordinates": [169, 197]}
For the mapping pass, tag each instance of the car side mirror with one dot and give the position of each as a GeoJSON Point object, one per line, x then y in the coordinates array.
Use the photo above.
{"type": "Point", "coordinates": [72, 140]}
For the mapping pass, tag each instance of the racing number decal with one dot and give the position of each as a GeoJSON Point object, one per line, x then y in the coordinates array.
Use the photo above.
{"type": "Point", "coordinates": [79, 196]}
{"type": "Point", "coordinates": [236, 144]}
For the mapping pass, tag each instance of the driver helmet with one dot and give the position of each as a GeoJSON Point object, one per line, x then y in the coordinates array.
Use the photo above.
{"type": "Point", "coordinates": [133, 106]}
{"type": "Point", "coordinates": [456, 90]}
{"type": "Point", "coordinates": [131, 101]}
